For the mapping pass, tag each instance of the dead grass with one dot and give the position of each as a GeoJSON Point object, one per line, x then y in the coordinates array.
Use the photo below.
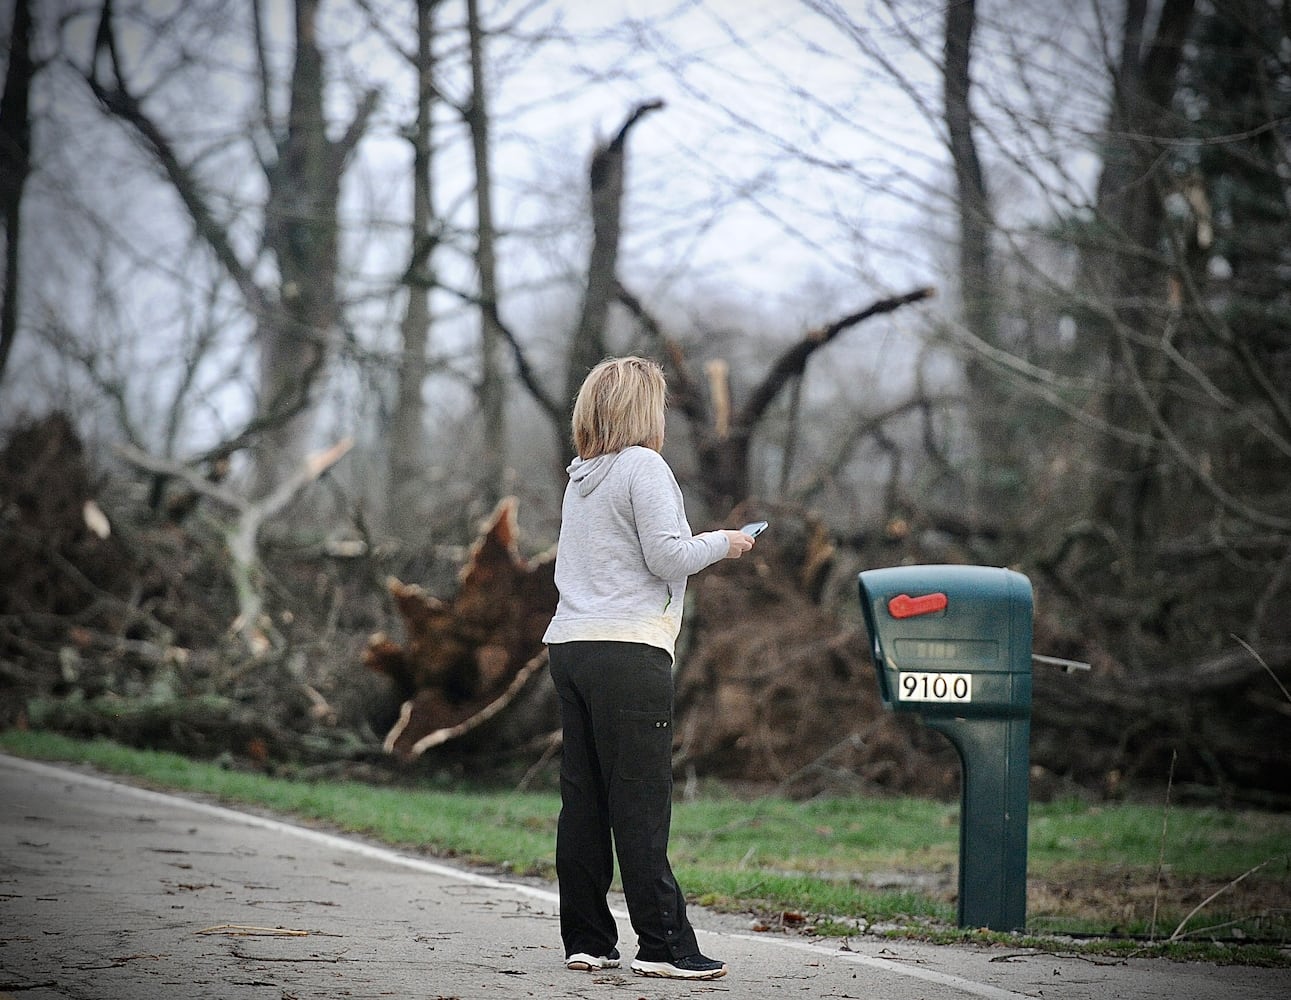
{"type": "Point", "coordinates": [1079, 896]}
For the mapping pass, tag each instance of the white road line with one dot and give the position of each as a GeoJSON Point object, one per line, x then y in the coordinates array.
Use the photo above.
{"type": "Point", "coordinates": [886, 965]}
{"type": "Point", "coordinates": [393, 857]}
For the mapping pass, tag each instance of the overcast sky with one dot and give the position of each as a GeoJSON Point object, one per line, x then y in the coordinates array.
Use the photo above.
{"type": "Point", "coordinates": [790, 176]}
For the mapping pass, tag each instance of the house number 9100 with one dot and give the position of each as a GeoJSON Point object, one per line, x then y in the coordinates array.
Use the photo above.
{"type": "Point", "coordinates": [917, 686]}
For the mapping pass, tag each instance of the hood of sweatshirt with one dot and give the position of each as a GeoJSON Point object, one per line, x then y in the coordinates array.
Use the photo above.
{"type": "Point", "coordinates": [588, 474]}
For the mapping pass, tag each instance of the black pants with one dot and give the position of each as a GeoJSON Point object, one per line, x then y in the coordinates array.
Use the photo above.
{"type": "Point", "coordinates": [616, 780]}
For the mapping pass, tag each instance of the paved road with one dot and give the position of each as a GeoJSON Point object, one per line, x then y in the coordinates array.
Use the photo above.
{"type": "Point", "coordinates": [113, 892]}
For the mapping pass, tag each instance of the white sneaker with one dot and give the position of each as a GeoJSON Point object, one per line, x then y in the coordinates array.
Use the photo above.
{"type": "Point", "coordinates": [690, 967]}
{"type": "Point", "coordinates": [582, 962]}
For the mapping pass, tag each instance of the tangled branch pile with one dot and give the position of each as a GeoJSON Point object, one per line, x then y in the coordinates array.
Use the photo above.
{"type": "Point", "coordinates": [120, 618]}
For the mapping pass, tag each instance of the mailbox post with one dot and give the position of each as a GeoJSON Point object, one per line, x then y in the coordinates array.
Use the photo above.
{"type": "Point", "coordinates": [952, 644]}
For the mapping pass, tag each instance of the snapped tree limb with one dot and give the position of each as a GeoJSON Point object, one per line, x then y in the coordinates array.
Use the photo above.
{"type": "Point", "coordinates": [243, 535]}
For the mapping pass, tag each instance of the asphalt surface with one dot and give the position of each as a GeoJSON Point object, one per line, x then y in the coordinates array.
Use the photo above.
{"type": "Point", "coordinates": [115, 892]}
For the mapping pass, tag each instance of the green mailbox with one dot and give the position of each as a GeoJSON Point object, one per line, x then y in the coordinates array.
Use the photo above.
{"type": "Point", "coordinates": [952, 644]}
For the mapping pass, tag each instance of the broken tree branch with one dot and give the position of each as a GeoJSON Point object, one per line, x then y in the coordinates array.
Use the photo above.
{"type": "Point", "coordinates": [243, 535]}
{"type": "Point", "coordinates": [441, 736]}
{"type": "Point", "coordinates": [793, 362]}
{"type": "Point", "coordinates": [683, 392]}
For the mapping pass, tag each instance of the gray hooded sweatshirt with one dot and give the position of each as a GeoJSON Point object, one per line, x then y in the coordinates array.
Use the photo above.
{"type": "Point", "coordinates": [625, 551]}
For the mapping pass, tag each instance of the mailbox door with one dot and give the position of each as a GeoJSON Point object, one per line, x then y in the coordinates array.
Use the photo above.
{"type": "Point", "coordinates": [950, 641]}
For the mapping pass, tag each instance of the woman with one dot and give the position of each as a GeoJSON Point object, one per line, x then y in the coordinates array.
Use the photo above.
{"type": "Point", "coordinates": [624, 555]}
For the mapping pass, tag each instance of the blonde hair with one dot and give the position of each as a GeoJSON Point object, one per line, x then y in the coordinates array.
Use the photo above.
{"type": "Point", "coordinates": [621, 403]}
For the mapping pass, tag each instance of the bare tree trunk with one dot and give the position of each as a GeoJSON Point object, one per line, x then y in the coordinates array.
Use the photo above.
{"type": "Point", "coordinates": [997, 423]}
{"type": "Point", "coordinates": [15, 164]}
{"type": "Point", "coordinates": [1124, 284]}
{"type": "Point", "coordinates": [793, 421]}
{"type": "Point", "coordinates": [301, 231]}
{"type": "Point", "coordinates": [1131, 209]}
{"type": "Point", "coordinates": [408, 424]}
{"type": "Point", "coordinates": [607, 176]}
{"type": "Point", "coordinates": [975, 216]}
{"type": "Point", "coordinates": [491, 389]}
{"type": "Point", "coordinates": [1124, 273]}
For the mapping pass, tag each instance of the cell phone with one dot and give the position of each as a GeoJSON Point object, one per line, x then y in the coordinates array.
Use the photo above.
{"type": "Point", "coordinates": [755, 529]}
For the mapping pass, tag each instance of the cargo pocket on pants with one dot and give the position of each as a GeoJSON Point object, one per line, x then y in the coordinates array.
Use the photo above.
{"type": "Point", "coordinates": [645, 745]}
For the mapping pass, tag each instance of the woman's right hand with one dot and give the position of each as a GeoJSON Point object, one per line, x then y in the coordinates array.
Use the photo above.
{"type": "Point", "coordinates": [739, 542]}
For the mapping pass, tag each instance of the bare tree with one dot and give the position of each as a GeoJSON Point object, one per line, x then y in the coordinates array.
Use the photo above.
{"type": "Point", "coordinates": [998, 428]}
{"type": "Point", "coordinates": [1124, 270]}
{"type": "Point", "coordinates": [491, 388]}
{"type": "Point", "coordinates": [408, 445]}
{"type": "Point", "coordinates": [296, 313]}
